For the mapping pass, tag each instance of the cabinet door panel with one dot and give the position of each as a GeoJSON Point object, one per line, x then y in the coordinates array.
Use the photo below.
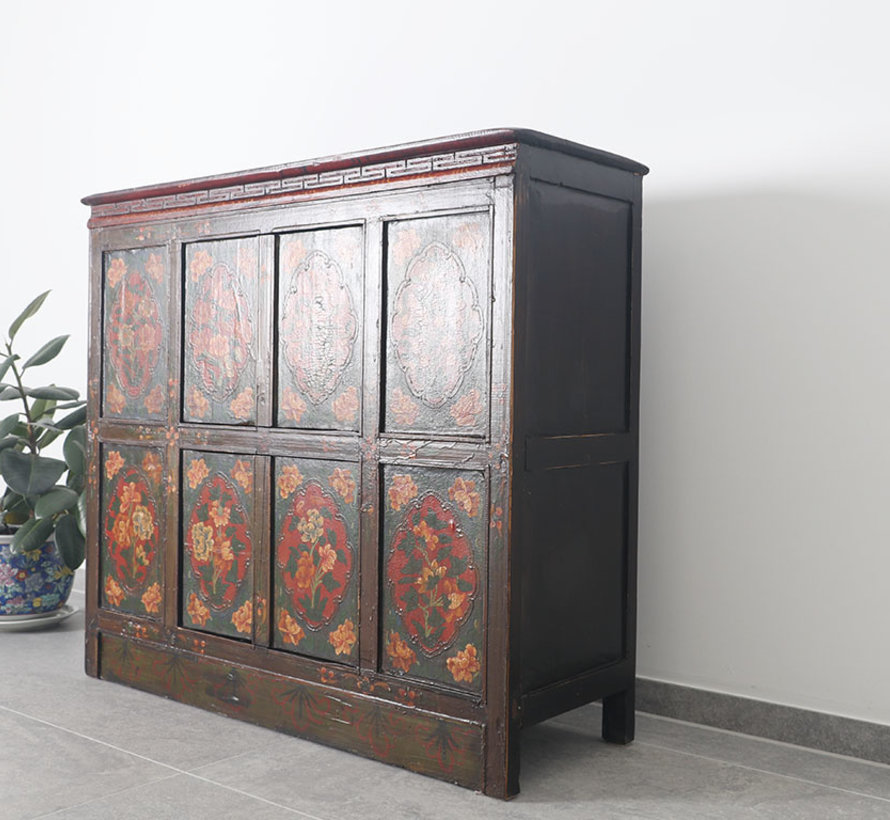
{"type": "Point", "coordinates": [320, 329]}
{"type": "Point", "coordinates": [220, 331]}
{"type": "Point", "coordinates": [315, 560]}
{"type": "Point", "coordinates": [134, 363]}
{"type": "Point", "coordinates": [133, 503]}
{"type": "Point", "coordinates": [434, 574]}
{"type": "Point", "coordinates": [438, 283]}
{"type": "Point", "coordinates": [217, 543]}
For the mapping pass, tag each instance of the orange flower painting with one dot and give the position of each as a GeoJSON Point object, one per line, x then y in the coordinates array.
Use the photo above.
{"type": "Point", "coordinates": [242, 618]}
{"type": "Point", "coordinates": [151, 466]}
{"type": "Point", "coordinates": [465, 410]}
{"type": "Point", "coordinates": [344, 484]}
{"type": "Point", "coordinates": [343, 638]}
{"type": "Point", "coordinates": [243, 474]}
{"type": "Point", "coordinates": [197, 611]}
{"type": "Point", "coordinates": [113, 591]}
{"type": "Point", "coordinates": [154, 401]}
{"type": "Point", "coordinates": [197, 404]}
{"type": "Point", "coordinates": [345, 406]}
{"type": "Point", "coordinates": [197, 472]}
{"type": "Point", "coordinates": [291, 632]}
{"type": "Point", "coordinates": [400, 654]}
{"type": "Point", "coordinates": [242, 405]}
{"type": "Point", "coordinates": [403, 408]}
{"type": "Point", "coordinates": [289, 479]}
{"type": "Point", "coordinates": [113, 462]}
{"type": "Point", "coordinates": [292, 406]}
{"type": "Point", "coordinates": [117, 270]}
{"type": "Point", "coordinates": [403, 489]}
{"type": "Point", "coordinates": [463, 493]}
{"type": "Point", "coordinates": [115, 401]}
{"type": "Point", "coordinates": [464, 666]}
{"type": "Point", "coordinates": [151, 600]}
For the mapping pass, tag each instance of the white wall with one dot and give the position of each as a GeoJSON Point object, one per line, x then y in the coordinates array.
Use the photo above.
{"type": "Point", "coordinates": [764, 534]}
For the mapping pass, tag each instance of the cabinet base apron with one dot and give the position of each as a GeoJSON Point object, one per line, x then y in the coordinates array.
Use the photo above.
{"type": "Point", "coordinates": [424, 742]}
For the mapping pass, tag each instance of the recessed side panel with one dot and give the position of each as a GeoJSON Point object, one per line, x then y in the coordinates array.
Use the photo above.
{"type": "Point", "coordinates": [217, 543]}
{"type": "Point", "coordinates": [135, 329]}
{"type": "Point", "coordinates": [315, 558]}
{"type": "Point", "coordinates": [319, 359]}
{"type": "Point", "coordinates": [133, 493]}
{"type": "Point", "coordinates": [438, 286]}
{"type": "Point", "coordinates": [434, 575]}
{"type": "Point", "coordinates": [574, 582]}
{"type": "Point", "coordinates": [577, 345]}
{"type": "Point", "coordinates": [220, 334]}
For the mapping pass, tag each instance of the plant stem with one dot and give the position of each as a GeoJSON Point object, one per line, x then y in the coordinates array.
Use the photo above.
{"type": "Point", "coordinates": [32, 439]}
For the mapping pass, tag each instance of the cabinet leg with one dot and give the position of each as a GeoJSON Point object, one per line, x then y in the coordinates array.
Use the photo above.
{"type": "Point", "coordinates": [618, 717]}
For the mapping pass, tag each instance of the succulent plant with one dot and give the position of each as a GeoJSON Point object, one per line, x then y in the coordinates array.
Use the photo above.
{"type": "Point", "coordinates": [44, 496]}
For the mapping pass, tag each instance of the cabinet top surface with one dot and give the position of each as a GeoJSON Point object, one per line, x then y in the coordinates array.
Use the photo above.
{"type": "Point", "coordinates": [458, 151]}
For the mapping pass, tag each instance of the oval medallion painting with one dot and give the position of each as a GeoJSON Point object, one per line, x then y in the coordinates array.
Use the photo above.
{"type": "Point", "coordinates": [218, 542]}
{"type": "Point", "coordinates": [314, 555]}
{"type": "Point", "coordinates": [431, 572]}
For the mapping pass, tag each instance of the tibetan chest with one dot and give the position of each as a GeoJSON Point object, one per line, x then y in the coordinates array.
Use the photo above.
{"type": "Point", "coordinates": [363, 446]}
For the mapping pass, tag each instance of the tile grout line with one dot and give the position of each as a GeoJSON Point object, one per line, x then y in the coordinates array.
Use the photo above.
{"type": "Point", "coordinates": [105, 796]}
{"type": "Point", "coordinates": [169, 766]}
{"type": "Point", "coordinates": [764, 771]}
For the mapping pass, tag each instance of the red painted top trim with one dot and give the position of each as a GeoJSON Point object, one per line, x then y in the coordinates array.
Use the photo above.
{"type": "Point", "coordinates": [459, 142]}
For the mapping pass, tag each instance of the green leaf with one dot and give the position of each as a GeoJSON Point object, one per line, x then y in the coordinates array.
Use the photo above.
{"type": "Point", "coordinates": [75, 450]}
{"type": "Point", "coordinates": [74, 419]}
{"type": "Point", "coordinates": [27, 313]}
{"type": "Point", "coordinates": [82, 514]}
{"type": "Point", "coordinates": [75, 481]}
{"type": "Point", "coordinates": [70, 541]}
{"type": "Point", "coordinates": [69, 405]}
{"type": "Point", "coordinates": [329, 582]}
{"type": "Point", "coordinates": [6, 364]}
{"type": "Point", "coordinates": [8, 424]}
{"type": "Point", "coordinates": [51, 392]}
{"type": "Point", "coordinates": [55, 501]}
{"type": "Point", "coordinates": [48, 437]}
{"type": "Point", "coordinates": [29, 474]}
{"type": "Point", "coordinates": [17, 508]}
{"type": "Point", "coordinates": [10, 392]}
{"type": "Point", "coordinates": [33, 534]}
{"type": "Point", "coordinates": [46, 353]}
{"type": "Point", "coordinates": [9, 441]}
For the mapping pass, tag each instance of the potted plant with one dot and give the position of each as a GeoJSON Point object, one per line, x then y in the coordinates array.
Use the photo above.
{"type": "Point", "coordinates": [42, 508]}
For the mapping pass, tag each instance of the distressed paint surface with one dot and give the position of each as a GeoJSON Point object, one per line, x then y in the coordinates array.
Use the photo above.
{"type": "Point", "coordinates": [434, 540]}
{"type": "Point", "coordinates": [217, 543]}
{"type": "Point", "coordinates": [132, 501]}
{"type": "Point", "coordinates": [315, 559]}
{"type": "Point", "coordinates": [134, 362]}
{"type": "Point", "coordinates": [219, 356]}
{"type": "Point", "coordinates": [424, 742]}
{"type": "Point", "coordinates": [438, 275]}
{"type": "Point", "coordinates": [319, 329]}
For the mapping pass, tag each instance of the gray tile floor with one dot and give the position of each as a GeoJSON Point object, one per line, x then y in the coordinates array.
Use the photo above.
{"type": "Point", "coordinates": [73, 747]}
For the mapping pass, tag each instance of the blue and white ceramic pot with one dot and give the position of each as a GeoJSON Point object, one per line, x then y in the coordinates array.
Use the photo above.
{"type": "Point", "coordinates": [34, 582]}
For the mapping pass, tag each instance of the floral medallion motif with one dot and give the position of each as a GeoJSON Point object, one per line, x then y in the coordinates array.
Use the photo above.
{"type": "Point", "coordinates": [431, 573]}
{"type": "Point", "coordinates": [218, 544]}
{"type": "Point", "coordinates": [220, 332]}
{"type": "Point", "coordinates": [134, 334]}
{"type": "Point", "coordinates": [131, 537]}
{"type": "Point", "coordinates": [314, 558]}
{"type": "Point", "coordinates": [436, 325]}
{"type": "Point", "coordinates": [319, 326]}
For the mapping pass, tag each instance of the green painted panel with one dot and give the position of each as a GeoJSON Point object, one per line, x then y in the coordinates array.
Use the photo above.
{"type": "Point", "coordinates": [315, 558]}
{"type": "Point", "coordinates": [133, 504]}
{"type": "Point", "coordinates": [434, 574]}
{"type": "Point", "coordinates": [134, 361]}
{"type": "Point", "coordinates": [220, 327]}
{"type": "Point", "coordinates": [217, 543]}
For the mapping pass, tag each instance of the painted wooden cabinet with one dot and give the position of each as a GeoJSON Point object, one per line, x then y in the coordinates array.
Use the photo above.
{"type": "Point", "coordinates": [363, 446]}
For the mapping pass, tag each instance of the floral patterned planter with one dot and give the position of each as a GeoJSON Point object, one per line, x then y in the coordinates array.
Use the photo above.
{"type": "Point", "coordinates": [34, 582]}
